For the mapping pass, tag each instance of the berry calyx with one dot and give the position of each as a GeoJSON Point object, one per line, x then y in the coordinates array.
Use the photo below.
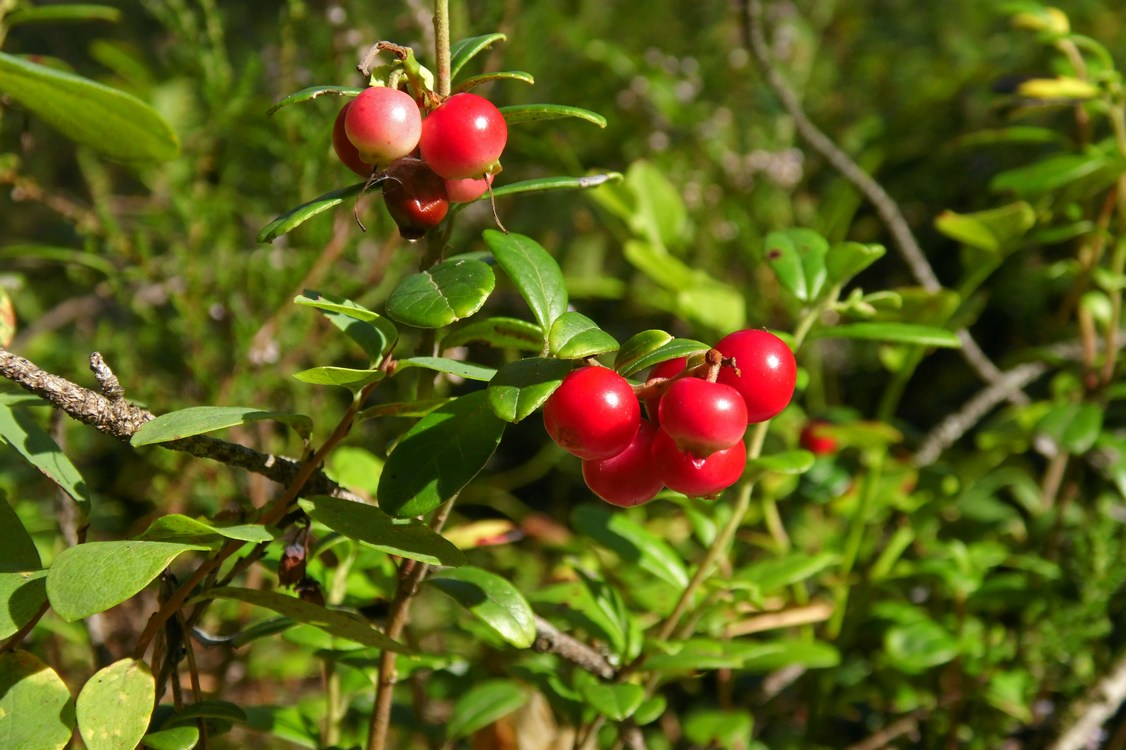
{"type": "Point", "coordinates": [347, 153]}
{"type": "Point", "coordinates": [593, 414]}
{"type": "Point", "coordinates": [629, 478]}
{"type": "Point", "coordinates": [415, 197]}
{"type": "Point", "coordinates": [767, 371]}
{"type": "Point", "coordinates": [697, 477]}
{"type": "Point", "coordinates": [464, 137]}
{"type": "Point", "coordinates": [383, 124]}
{"type": "Point", "coordinates": [703, 417]}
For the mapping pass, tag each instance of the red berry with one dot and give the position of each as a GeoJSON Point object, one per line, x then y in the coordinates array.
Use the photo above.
{"type": "Point", "coordinates": [666, 369]}
{"type": "Point", "coordinates": [469, 189]}
{"type": "Point", "coordinates": [383, 124]}
{"type": "Point", "coordinates": [345, 151]}
{"type": "Point", "coordinates": [697, 477]}
{"type": "Point", "coordinates": [814, 439]}
{"type": "Point", "coordinates": [593, 414]}
{"type": "Point", "coordinates": [415, 197]}
{"type": "Point", "coordinates": [767, 371]}
{"type": "Point", "coordinates": [703, 417]}
{"type": "Point", "coordinates": [629, 478]}
{"type": "Point", "coordinates": [464, 137]}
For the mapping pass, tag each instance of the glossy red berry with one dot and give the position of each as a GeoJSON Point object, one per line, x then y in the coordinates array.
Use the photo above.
{"type": "Point", "coordinates": [667, 369]}
{"type": "Point", "coordinates": [703, 417]}
{"type": "Point", "coordinates": [697, 477]}
{"type": "Point", "coordinates": [593, 414]}
{"type": "Point", "coordinates": [415, 197]}
{"type": "Point", "coordinates": [629, 478]}
{"type": "Point", "coordinates": [383, 124]}
{"type": "Point", "coordinates": [815, 440]}
{"type": "Point", "coordinates": [469, 189]}
{"type": "Point", "coordinates": [345, 151]}
{"type": "Point", "coordinates": [767, 371]}
{"type": "Point", "coordinates": [464, 137]}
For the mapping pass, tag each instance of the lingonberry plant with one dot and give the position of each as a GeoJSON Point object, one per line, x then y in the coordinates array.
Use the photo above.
{"type": "Point", "coordinates": [565, 485]}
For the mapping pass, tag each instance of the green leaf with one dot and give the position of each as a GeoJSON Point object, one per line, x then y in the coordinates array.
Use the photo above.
{"type": "Point", "coordinates": [375, 334]}
{"type": "Point", "coordinates": [575, 602]}
{"type": "Point", "coordinates": [92, 577]}
{"type": "Point", "coordinates": [638, 346]}
{"type": "Point", "coordinates": [919, 646]}
{"type": "Point", "coordinates": [62, 255]}
{"type": "Point", "coordinates": [658, 212]}
{"type": "Point", "coordinates": [345, 377]}
{"type": "Point", "coordinates": [899, 333]}
{"type": "Point", "coordinates": [1050, 174]}
{"type": "Point", "coordinates": [197, 420]}
{"type": "Point", "coordinates": [789, 462]}
{"type": "Point", "coordinates": [575, 336]}
{"type": "Point", "coordinates": [62, 13]}
{"type": "Point", "coordinates": [1074, 427]}
{"type": "Point", "coordinates": [1060, 87]}
{"type": "Point", "coordinates": [533, 271]}
{"type": "Point", "coordinates": [35, 705]}
{"type": "Point", "coordinates": [17, 549]}
{"type": "Point", "coordinates": [670, 350]}
{"type": "Point", "coordinates": [442, 294]}
{"type": "Point", "coordinates": [993, 230]}
{"type": "Point", "coordinates": [115, 705]}
{"type": "Point", "coordinates": [846, 259]}
{"type": "Point", "coordinates": [439, 456]}
{"type": "Point", "coordinates": [797, 257]}
{"type": "Point", "coordinates": [494, 600]}
{"type": "Point", "coordinates": [177, 738]}
{"type": "Point", "coordinates": [219, 711]}
{"type": "Point", "coordinates": [717, 728]}
{"type": "Point", "coordinates": [549, 184]}
{"type": "Point", "coordinates": [521, 387]}
{"type": "Point", "coordinates": [109, 121]}
{"type": "Point", "coordinates": [517, 113]}
{"type": "Point", "coordinates": [297, 216]}
{"type": "Point", "coordinates": [22, 594]}
{"type": "Point", "coordinates": [631, 542]}
{"type": "Point", "coordinates": [179, 528]}
{"type": "Point", "coordinates": [466, 370]}
{"type": "Point", "coordinates": [370, 525]}
{"type": "Point", "coordinates": [21, 433]}
{"type": "Point", "coordinates": [464, 50]}
{"type": "Point", "coordinates": [311, 93]}
{"type": "Point", "coordinates": [502, 333]}
{"type": "Point", "coordinates": [613, 615]}
{"type": "Point", "coordinates": [754, 656]}
{"type": "Point", "coordinates": [770, 575]}
{"type": "Point", "coordinates": [483, 704]}
{"type": "Point", "coordinates": [616, 702]}
{"type": "Point", "coordinates": [340, 623]}
{"type": "Point", "coordinates": [503, 75]}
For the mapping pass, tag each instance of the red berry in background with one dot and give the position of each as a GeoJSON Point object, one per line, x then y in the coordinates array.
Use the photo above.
{"type": "Point", "coordinates": [703, 417]}
{"type": "Point", "coordinates": [383, 124]}
{"type": "Point", "coordinates": [469, 189]}
{"type": "Point", "coordinates": [345, 151]}
{"type": "Point", "coordinates": [815, 440]}
{"type": "Point", "coordinates": [629, 478]}
{"type": "Point", "coordinates": [464, 137]}
{"type": "Point", "coordinates": [415, 197]}
{"type": "Point", "coordinates": [667, 369]}
{"type": "Point", "coordinates": [697, 477]}
{"type": "Point", "coordinates": [767, 371]}
{"type": "Point", "coordinates": [593, 414]}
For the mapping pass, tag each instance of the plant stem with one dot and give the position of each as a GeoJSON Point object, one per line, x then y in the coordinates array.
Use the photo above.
{"type": "Point", "coordinates": [442, 46]}
{"type": "Point", "coordinates": [857, 525]}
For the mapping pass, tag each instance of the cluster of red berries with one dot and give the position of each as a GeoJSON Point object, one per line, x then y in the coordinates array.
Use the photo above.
{"type": "Point", "coordinates": [692, 442]}
{"type": "Point", "coordinates": [426, 160]}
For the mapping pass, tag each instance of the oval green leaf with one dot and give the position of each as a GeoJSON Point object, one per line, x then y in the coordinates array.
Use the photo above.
{"type": "Point", "coordinates": [575, 336]}
{"type": "Point", "coordinates": [788, 462]}
{"type": "Point", "coordinates": [35, 704]}
{"type": "Point", "coordinates": [919, 646]}
{"type": "Point", "coordinates": [671, 350]}
{"type": "Point", "coordinates": [439, 456]}
{"type": "Point", "coordinates": [549, 184]}
{"type": "Point", "coordinates": [898, 333]}
{"type": "Point", "coordinates": [1074, 427]}
{"type": "Point", "coordinates": [631, 542]}
{"type": "Point", "coordinates": [297, 216]}
{"type": "Point", "coordinates": [1051, 173]}
{"type": "Point", "coordinates": [494, 600]}
{"type": "Point", "coordinates": [846, 259]}
{"type": "Point", "coordinates": [337, 622]}
{"type": "Point", "coordinates": [345, 377]}
{"type": "Point", "coordinates": [177, 738]}
{"type": "Point", "coordinates": [464, 50]}
{"type": "Point", "coordinates": [466, 370]}
{"type": "Point", "coordinates": [993, 230]}
{"type": "Point", "coordinates": [518, 113]}
{"type": "Point", "coordinates": [17, 549]}
{"type": "Point", "coordinates": [375, 334]}
{"type": "Point", "coordinates": [770, 575]}
{"type": "Point", "coordinates": [180, 528]}
{"type": "Point", "coordinates": [521, 387]}
{"type": "Point", "coordinates": [639, 345]}
{"type": "Point", "coordinates": [63, 13]}
{"type": "Point", "coordinates": [197, 420]}
{"type": "Point", "coordinates": [503, 75]}
{"type": "Point", "coordinates": [370, 525]}
{"type": "Point", "coordinates": [311, 93]}
{"type": "Point", "coordinates": [797, 257]}
{"type": "Point", "coordinates": [717, 728]}
{"type": "Point", "coordinates": [533, 271]}
{"type": "Point", "coordinates": [23, 435]}
{"type": "Point", "coordinates": [23, 594]}
{"type": "Point", "coordinates": [616, 702]}
{"type": "Point", "coordinates": [502, 333]}
{"type": "Point", "coordinates": [482, 705]}
{"type": "Point", "coordinates": [442, 294]}
{"type": "Point", "coordinates": [92, 577]}
{"type": "Point", "coordinates": [115, 705]}
{"type": "Point", "coordinates": [109, 121]}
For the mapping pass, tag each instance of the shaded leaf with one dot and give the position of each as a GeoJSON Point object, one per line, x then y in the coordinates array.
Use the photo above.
{"type": "Point", "coordinates": [466, 370]}
{"type": "Point", "coordinates": [482, 705]}
{"type": "Point", "coordinates": [521, 387]}
{"type": "Point", "coordinates": [198, 420]}
{"type": "Point", "coordinates": [1074, 427]}
{"type": "Point", "coordinates": [114, 707]}
{"type": "Point", "coordinates": [177, 738]}
{"type": "Point", "coordinates": [533, 271]}
{"type": "Point", "coordinates": [616, 702]}
{"type": "Point", "coordinates": [846, 259]}
{"type": "Point", "coordinates": [717, 728]}
{"type": "Point", "coordinates": [35, 704]}
{"type": "Point", "coordinates": [797, 257]}
{"type": "Point", "coordinates": [17, 550]}
{"type": "Point", "coordinates": [575, 336]}
{"type": "Point", "coordinates": [918, 646]}
{"type": "Point", "coordinates": [180, 528]}
{"type": "Point", "coordinates": [494, 600]}
{"type": "Point", "coordinates": [444, 293]}
{"type": "Point", "coordinates": [899, 333]}
{"type": "Point", "coordinates": [464, 50]}
{"type": "Point", "coordinates": [22, 594]}
{"type": "Point", "coordinates": [770, 575]}
{"type": "Point", "coordinates": [632, 542]}
{"type": "Point", "coordinates": [21, 433]}
{"type": "Point", "coordinates": [502, 75]}
{"type": "Point", "coordinates": [1050, 173]}
{"type": "Point", "coordinates": [345, 377]}
{"type": "Point", "coordinates": [789, 462]}
{"type": "Point", "coordinates": [992, 230]}
{"type": "Point", "coordinates": [375, 334]}
{"type": "Point", "coordinates": [638, 346]}
{"type": "Point", "coordinates": [548, 184]}
{"type": "Point", "coordinates": [670, 350]}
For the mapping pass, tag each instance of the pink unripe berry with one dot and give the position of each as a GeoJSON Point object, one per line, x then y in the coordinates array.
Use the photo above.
{"type": "Point", "coordinates": [383, 124]}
